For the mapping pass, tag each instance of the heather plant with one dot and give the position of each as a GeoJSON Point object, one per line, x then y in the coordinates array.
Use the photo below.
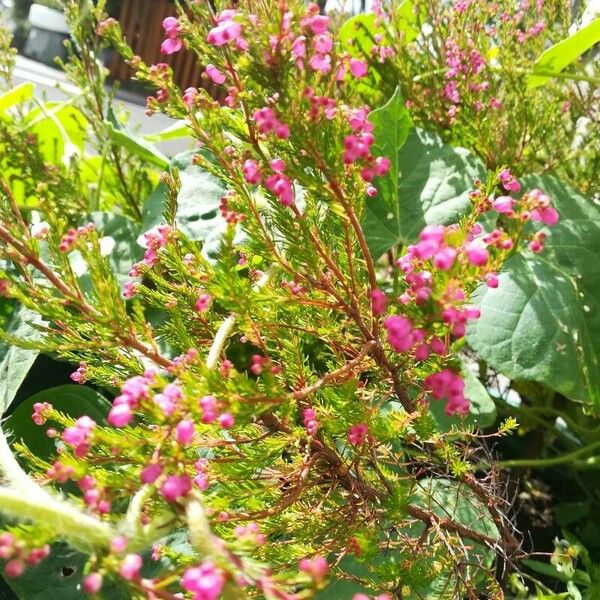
{"type": "Point", "coordinates": [274, 395]}
{"type": "Point", "coordinates": [480, 74]}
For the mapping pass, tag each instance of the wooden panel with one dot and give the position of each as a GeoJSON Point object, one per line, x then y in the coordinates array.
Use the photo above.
{"type": "Point", "coordinates": [141, 22]}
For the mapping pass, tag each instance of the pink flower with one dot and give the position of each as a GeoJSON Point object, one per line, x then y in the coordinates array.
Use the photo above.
{"type": "Point", "coordinates": [323, 43]}
{"type": "Point", "coordinates": [321, 62]}
{"type": "Point", "coordinates": [150, 473]}
{"type": "Point", "coordinates": [171, 26]}
{"type": "Point", "coordinates": [184, 432]}
{"type": "Point", "coordinates": [130, 567]}
{"type": "Point", "coordinates": [206, 581]}
{"type": "Point", "coordinates": [14, 568]}
{"type": "Point", "coordinates": [491, 280]}
{"type": "Point", "coordinates": [503, 204]}
{"type": "Point", "coordinates": [310, 421]}
{"type": "Point", "coordinates": [189, 96]}
{"type": "Point", "coordinates": [299, 47]}
{"type": "Point", "coordinates": [316, 567]}
{"type": "Point", "coordinates": [203, 303]}
{"type": "Point", "coordinates": [477, 255]}
{"type": "Point", "coordinates": [546, 214]}
{"type": "Point", "coordinates": [208, 406]}
{"type": "Point", "coordinates": [358, 68]}
{"type": "Point", "coordinates": [225, 32]}
{"type": "Point", "coordinates": [508, 181]}
{"type": "Point", "coordinates": [226, 420]}
{"type": "Point", "coordinates": [92, 583]}
{"type": "Point", "coordinates": [251, 172]}
{"type": "Point", "coordinates": [118, 544]}
{"type": "Point", "coordinates": [171, 45]}
{"type": "Point", "coordinates": [449, 385]}
{"type": "Point", "coordinates": [317, 24]}
{"type": "Point", "coordinates": [215, 74]}
{"type": "Point", "coordinates": [120, 415]}
{"type": "Point", "coordinates": [378, 302]}
{"type": "Point", "coordinates": [400, 332]}
{"type": "Point", "coordinates": [357, 434]}
{"type": "Point", "coordinates": [444, 258]}
{"type": "Point", "coordinates": [281, 186]}
{"type": "Point", "coordinates": [382, 166]}
{"type": "Point", "coordinates": [40, 410]}
{"type": "Point", "coordinates": [175, 487]}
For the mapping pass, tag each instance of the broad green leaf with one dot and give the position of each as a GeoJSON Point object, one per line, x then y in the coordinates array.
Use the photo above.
{"type": "Point", "coordinates": [15, 362]}
{"type": "Point", "coordinates": [71, 399]}
{"type": "Point", "coordinates": [448, 499]}
{"type": "Point", "coordinates": [483, 409]}
{"type": "Point", "coordinates": [407, 21]}
{"type": "Point", "coordinates": [178, 130]}
{"type": "Point", "coordinates": [120, 241]}
{"type": "Point", "coordinates": [198, 215]}
{"type": "Point", "coordinates": [357, 34]}
{"type": "Point", "coordinates": [543, 321]}
{"type": "Point", "coordinates": [138, 146]}
{"type": "Point", "coordinates": [61, 129]}
{"type": "Point", "coordinates": [17, 95]}
{"type": "Point", "coordinates": [429, 182]}
{"type": "Point", "coordinates": [60, 576]}
{"type": "Point", "coordinates": [561, 55]}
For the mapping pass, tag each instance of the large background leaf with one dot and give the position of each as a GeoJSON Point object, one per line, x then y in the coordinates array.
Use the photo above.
{"type": "Point", "coordinates": [429, 181]}
{"type": "Point", "coordinates": [15, 362]}
{"type": "Point", "coordinates": [557, 57]}
{"type": "Point", "coordinates": [543, 322]}
{"type": "Point", "coordinates": [70, 399]}
{"type": "Point", "coordinates": [198, 215]}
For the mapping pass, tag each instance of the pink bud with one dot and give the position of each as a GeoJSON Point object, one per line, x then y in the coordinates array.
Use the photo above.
{"type": "Point", "coordinates": [92, 584]}
{"type": "Point", "coordinates": [477, 255]}
{"type": "Point", "coordinates": [226, 420]}
{"type": "Point", "coordinates": [203, 303]}
{"type": "Point", "coordinates": [14, 568]}
{"type": "Point", "coordinates": [130, 567]}
{"type": "Point", "coordinates": [150, 473]}
{"type": "Point", "coordinates": [120, 415]}
{"type": "Point", "coordinates": [185, 432]}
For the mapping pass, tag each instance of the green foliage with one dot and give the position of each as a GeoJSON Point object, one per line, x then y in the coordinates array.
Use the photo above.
{"type": "Point", "coordinates": [15, 362]}
{"type": "Point", "coordinates": [543, 321]}
{"type": "Point", "coordinates": [559, 56]}
{"type": "Point", "coordinates": [429, 183]}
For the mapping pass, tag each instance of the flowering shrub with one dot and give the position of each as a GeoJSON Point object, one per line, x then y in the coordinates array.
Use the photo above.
{"type": "Point", "coordinates": [291, 415]}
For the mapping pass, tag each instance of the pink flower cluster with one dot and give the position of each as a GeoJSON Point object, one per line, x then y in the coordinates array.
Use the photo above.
{"type": "Point", "coordinates": [316, 567]}
{"type": "Point", "coordinates": [80, 375]}
{"type": "Point", "coordinates": [277, 182]}
{"type": "Point", "coordinates": [448, 384]}
{"type": "Point", "coordinates": [357, 148]}
{"type": "Point", "coordinates": [268, 122]}
{"type": "Point", "coordinates": [357, 434]}
{"type": "Point", "coordinates": [154, 239]}
{"type": "Point", "coordinates": [205, 581]}
{"type": "Point", "coordinates": [93, 496]}
{"type": "Point", "coordinates": [41, 412]}
{"type": "Point", "coordinates": [70, 238]}
{"type": "Point", "coordinates": [210, 413]}
{"type": "Point", "coordinates": [173, 43]}
{"type": "Point", "coordinates": [309, 418]}
{"type": "Point", "coordinates": [227, 30]}
{"type": "Point", "coordinates": [250, 533]}
{"type": "Point", "coordinates": [132, 391]}
{"type": "Point", "coordinates": [18, 556]}
{"type": "Point", "coordinates": [78, 436]}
